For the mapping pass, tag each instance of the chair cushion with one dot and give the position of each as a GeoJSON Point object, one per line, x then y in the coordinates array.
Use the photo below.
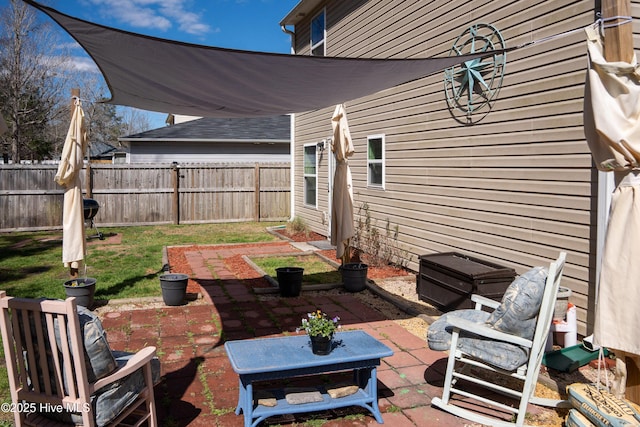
{"type": "Point", "coordinates": [100, 360]}
{"type": "Point", "coordinates": [497, 353]}
{"type": "Point", "coordinates": [111, 401]}
{"type": "Point", "coordinates": [518, 311]}
{"type": "Point", "coordinates": [439, 332]}
{"type": "Point", "coordinates": [98, 357]}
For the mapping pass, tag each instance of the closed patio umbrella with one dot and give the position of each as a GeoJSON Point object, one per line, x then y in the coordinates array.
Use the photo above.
{"type": "Point", "coordinates": [68, 176]}
{"type": "Point", "coordinates": [342, 203]}
{"type": "Point", "coordinates": [612, 128]}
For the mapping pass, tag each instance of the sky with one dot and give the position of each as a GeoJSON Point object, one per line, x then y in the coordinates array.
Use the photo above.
{"type": "Point", "coordinates": [236, 24]}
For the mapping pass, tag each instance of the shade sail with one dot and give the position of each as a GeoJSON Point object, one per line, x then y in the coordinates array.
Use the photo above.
{"type": "Point", "coordinates": [612, 129]}
{"type": "Point", "coordinates": [172, 77]}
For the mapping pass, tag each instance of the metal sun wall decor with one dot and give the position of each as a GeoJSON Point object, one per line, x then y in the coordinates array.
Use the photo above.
{"type": "Point", "coordinates": [472, 87]}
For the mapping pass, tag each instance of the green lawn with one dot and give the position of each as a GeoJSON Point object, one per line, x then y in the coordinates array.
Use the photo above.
{"type": "Point", "coordinates": [31, 263]}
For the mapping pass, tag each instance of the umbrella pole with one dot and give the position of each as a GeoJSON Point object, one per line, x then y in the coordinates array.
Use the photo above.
{"type": "Point", "coordinates": [346, 256]}
{"type": "Point", "coordinates": [75, 93]}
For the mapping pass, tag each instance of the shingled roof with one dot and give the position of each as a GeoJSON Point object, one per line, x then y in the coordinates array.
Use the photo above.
{"type": "Point", "coordinates": [272, 128]}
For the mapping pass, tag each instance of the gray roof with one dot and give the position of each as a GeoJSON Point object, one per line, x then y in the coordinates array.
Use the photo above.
{"type": "Point", "coordinates": [277, 128]}
{"type": "Point", "coordinates": [98, 149]}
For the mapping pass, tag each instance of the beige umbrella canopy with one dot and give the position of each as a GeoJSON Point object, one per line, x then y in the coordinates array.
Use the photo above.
{"type": "Point", "coordinates": [612, 128]}
{"type": "Point", "coordinates": [342, 203]}
{"type": "Point", "coordinates": [68, 176]}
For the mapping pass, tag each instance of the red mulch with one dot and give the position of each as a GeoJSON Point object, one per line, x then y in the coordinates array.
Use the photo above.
{"type": "Point", "coordinates": [242, 270]}
{"type": "Point", "coordinates": [310, 236]}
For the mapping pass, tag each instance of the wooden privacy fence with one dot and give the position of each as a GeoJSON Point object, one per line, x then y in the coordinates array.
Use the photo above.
{"type": "Point", "coordinates": [146, 194]}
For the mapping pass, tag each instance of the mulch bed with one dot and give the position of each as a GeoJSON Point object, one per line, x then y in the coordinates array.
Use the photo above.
{"type": "Point", "coordinates": [242, 270]}
{"type": "Point", "coordinates": [374, 272]}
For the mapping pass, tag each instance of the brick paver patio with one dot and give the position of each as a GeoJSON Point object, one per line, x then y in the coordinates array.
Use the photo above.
{"type": "Point", "coordinates": [200, 388]}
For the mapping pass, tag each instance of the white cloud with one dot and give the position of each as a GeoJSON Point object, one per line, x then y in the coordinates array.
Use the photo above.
{"type": "Point", "coordinates": [154, 14]}
{"type": "Point", "coordinates": [85, 64]}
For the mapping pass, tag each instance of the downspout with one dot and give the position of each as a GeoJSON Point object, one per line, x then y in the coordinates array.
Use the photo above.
{"type": "Point", "coordinates": [292, 138]}
{"type": "Point", "coordinates": [291, 33]}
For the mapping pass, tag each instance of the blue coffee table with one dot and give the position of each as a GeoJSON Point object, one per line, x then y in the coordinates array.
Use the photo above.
{"type": "Point", "coordinates": [267, 359]}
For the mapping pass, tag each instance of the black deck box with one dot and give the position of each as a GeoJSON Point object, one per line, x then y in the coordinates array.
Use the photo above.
{"type": "Point", "coordinates": [448, 279]}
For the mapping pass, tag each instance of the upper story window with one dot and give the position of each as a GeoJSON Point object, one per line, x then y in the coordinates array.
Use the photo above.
{"type": "Point", "coordinates": [375, 161]}
{"type": "Point", "coordinates": [310, 175]}
{"type": "Point", "coordinates": [318, 35]}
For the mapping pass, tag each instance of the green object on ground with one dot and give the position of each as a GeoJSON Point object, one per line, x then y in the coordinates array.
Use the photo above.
{"type": "Point", "coordinates": [570, 358]}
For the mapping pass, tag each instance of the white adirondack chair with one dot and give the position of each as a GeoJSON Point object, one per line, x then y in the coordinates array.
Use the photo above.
{"type": "Point", "coordinates": [462, 367]}
{"type": "Point", "coordinates": [51, 369]}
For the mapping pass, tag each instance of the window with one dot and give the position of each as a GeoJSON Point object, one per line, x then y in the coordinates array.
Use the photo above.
{"type": "Point", "coordinates": [310, 176]}
{"type": "Point", "coordinates": [375, 161]}
{"type": "Point", "coordinates": [318, 35]}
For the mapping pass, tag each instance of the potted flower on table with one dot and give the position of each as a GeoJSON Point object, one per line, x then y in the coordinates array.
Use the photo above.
{"type": "Point", "coordinates": [320, 329]}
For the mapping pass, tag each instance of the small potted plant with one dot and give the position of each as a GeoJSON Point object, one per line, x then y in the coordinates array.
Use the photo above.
{"type": "Point", "coordinates": [320, 329]}
{"type": "Point", "coordinates": [83, 289]}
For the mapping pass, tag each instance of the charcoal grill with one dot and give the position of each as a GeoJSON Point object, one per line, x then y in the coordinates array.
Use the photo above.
{"type": "Point", "coordinates": [91, 208]}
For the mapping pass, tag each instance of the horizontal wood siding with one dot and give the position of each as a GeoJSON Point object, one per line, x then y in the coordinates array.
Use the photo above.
{"type": "Point", "coordinates": [144, 194]}
{"type": "Point", "coordinates": [208, 152]}
{"type": "Point", "coordinates": [516, 187]}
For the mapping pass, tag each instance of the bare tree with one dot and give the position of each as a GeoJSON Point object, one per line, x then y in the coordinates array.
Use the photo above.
{"type": "Point", "coordinates": [30, 85]}
{"type": "Point", "coordinates": [134, 121]}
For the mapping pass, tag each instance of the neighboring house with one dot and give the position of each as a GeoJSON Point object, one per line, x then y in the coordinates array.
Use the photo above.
{"type": "Point", "coordinates": [511, 181]}
{"type": "Point", "coordinates": [101, 152]}
{"type": "Point", "coordinates": [211, 140]}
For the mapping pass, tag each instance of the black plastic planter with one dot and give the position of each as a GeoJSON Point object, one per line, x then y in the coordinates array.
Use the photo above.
{"type": "Point", "coordinates": [290, 280]}
{"type": "Point", "coordinates": [174, 288]}
{"type": "Point", "coordinates": [82, 289]}
{"type": "Point", "coordinates": [354, 276]}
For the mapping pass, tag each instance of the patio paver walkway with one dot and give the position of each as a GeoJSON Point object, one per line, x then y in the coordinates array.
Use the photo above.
{"type": "Point", "coordinates": [200, 388]}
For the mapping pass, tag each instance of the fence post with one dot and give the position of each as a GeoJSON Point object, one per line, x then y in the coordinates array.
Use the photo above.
{"type": "Point", "coordinates": [88, 177]}
{"type": "Point", "coordinates": [175, 178]}
{"type": "Point", "coordinates": [256, 200]}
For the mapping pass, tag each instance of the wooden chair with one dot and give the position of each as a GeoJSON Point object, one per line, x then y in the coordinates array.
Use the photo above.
{"type": "Point", "coordinates": [62, 370]}
{"type": "Point", "coordinates": [471, 333]}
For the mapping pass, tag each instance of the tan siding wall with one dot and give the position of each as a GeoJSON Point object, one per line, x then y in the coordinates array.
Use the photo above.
{"type": "Point", "coordinates": [515, 188]}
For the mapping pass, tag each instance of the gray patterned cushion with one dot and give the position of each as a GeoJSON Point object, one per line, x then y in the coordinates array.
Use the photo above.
{"type": "Point", "coordinates": [110, 401]}
{"type": "Point", "coordinates": [515, 315]}
{"type": "Point", "coordinates": [518, 311]}
{"type": "Point", "coordinates": [497, 353]}
{"type": "Point", "coordinates": [97, 354]}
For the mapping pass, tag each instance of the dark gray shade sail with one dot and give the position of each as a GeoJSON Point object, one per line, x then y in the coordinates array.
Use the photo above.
{"type": "Point", "coordinates": [173, 77]}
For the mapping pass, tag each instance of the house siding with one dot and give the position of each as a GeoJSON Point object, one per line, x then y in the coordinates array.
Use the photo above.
{"type": "Point", "coordinates": [207, 152]}
{"type": "Point", "coordinates": [514, 188]}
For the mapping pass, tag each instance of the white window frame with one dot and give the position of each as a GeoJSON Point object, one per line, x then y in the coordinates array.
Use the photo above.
{"type": "Point", "coordinates": [381, 161]}
{"type": "Point", "coordinates": [306, 175]}
{"type": "Point", "coordinates": [324, 34]}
